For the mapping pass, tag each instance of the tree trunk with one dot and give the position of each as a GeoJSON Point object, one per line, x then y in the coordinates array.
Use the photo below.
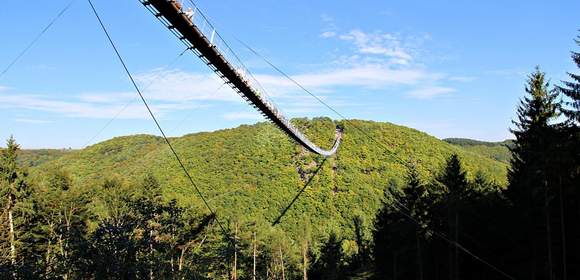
{"type": "Point", "coordinates": [419, 257]}
{"type": "Point", "coordinates": [282, 262]}
{"type": "Point", "coordinates": [305, 260]}
{"type": "Point", "coordinates": [548, 233]}
{"type": "Point", "coordinates": [12, 238]}
{"type": "Point", "coordinates": [235, 268]}
{"type": "Point", "coordinates": [451, 246]}
{"type": "Point", "coordinates": [456, 263]}
{"type": "Point", "coordinates": [563, 231]}
{"type": "Point", "coordinates": [254, 268]}
{"type": "Point", "coordinates": [181, 257]}
{"type": "Point", "coordinates": [534, 256]}
{"type": "Point", "coordinates": [65, 242]}
{"type": "Point", "coordinates": [48, 251]}
{"type": "Point", "coordinates": [394, 265]}
{"type": "Point", "coordinates": [150, 254]}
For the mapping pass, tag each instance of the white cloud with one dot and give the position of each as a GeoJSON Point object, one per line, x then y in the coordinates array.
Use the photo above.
{"type": "Point", "coordinates": [508, 73]}
{"type": "Point", "coordinates": [328, 34]}
{"type": "Point", "coordinates": [380, 60]}
{"type": "Point", "coordinates": [168, 91]}
{"type": "Point", "coordinates": [32, 121]}
{"type": "Point", "coordinates": [462, 78]}
{"type": "Point", "coordinates": [369, 76]}
{"type": "Point", "coordinates": [129, 109]}
{"type": "Point", "coordinates": [329, 27]}
{"type": "Point", "coordinates": [384, 44]}
{"type": "Point", "coordinates": [430, 92]}
{"type": "Point", "coordinates": [176, 85]}
{"type": "Point", "coordinates": [243, 116]}
{"type": "Point", "coordinates": [326, 18]}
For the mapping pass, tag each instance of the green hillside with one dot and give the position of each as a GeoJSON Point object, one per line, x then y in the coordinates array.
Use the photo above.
{"type": "Point", "coordinates": [36, 157]}
{"type": "Point", "coordinates": [254, 170]}
{"type": "Point", "coordinates": [495, 150]}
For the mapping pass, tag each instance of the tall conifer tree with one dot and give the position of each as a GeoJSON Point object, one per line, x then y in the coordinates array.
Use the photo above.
{"type": "Point", "coordinates": [14, 194]}
{"type": "Point", "coordinates": [571, 89]}
{"type": "Point", "coordinates": [530, 173]}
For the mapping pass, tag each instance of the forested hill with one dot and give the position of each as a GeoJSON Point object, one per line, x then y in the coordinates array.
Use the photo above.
{"type": "Point", "coordinates": [254, 171]}
{"type": "Point", "coordinates": [36, 157]}
{"type": "Point", "coordinates": [495, 150]}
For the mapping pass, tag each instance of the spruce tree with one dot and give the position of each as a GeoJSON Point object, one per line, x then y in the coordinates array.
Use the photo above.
{"type": "Point", "coordinates": [400, 231]}
{"type": "Point", "coordinates": [454, 179]}
{"type": "Point", "coordinates": [328, 265]}
{"type": "Point", "coordinates": [14, 194]}
{"type": "Point", "coordinates": [533, 131]}
{"type": "Point", "coordinates": [530, 173]}
{"type": "Point", "coordinates": [571, 89]}
{"type": "Point", "coordinates": [568, 182]}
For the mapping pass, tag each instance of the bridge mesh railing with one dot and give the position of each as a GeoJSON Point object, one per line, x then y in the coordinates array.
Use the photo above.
{"type": "Point", "coordinates": [202, 23]}
{"type": "Point", "coordinates": [207, 29]}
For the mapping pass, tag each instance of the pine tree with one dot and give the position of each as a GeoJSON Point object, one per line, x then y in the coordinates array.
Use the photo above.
{"type": "Point", "coordinates": [14, 194]}
{"type": "Point", "coordinates": [328, 265]}
{"type": "Point", "coordinates": [568, 180]}
{"type": "Point", "coordinates": [571, 89]}
{"type": "Point", "coordinates": [533, 132]}
{"type": "Point", "coordinates": [401, 229]}
{"type": "Point", "coordinates": [454, 179]}
{"type": "Point", "coordinates": [530, 173]}
{"type": "Point", "coordinates": [415, 202]}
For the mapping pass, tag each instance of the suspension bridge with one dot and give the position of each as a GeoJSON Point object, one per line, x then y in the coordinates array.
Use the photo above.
{"type": "Point", "coordinates": [194, 29]}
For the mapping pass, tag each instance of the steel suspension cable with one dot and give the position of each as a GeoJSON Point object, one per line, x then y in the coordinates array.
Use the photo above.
{"type": "Point", "coordinates": [38, 36]}
{"type": "Point", "coordinates": [177, 158]}
{"type": "Point", "coordinates": [129, 103]}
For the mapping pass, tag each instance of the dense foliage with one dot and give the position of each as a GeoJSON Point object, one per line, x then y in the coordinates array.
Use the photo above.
{"type": "Point", "coordinates": [394, 203]}
{"type": "Point", "coordinates": [30, 158]}
{"type": "Point", "coordinates": [499, 151]}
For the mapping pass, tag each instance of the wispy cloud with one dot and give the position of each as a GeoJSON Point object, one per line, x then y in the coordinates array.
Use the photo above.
{"type": "Point", "coordinates": [169, 91]}
{"type": "Point", "coordinates": [243, 116]}
{"type": "Point", "coordinates": [430, 92]}
{"type": "Point", "coordinates": [128, 109]}
{"type": "Point", "coordinates": [509, 73]}
{"type": "Point", "coordinates": [328, 34]}
{"type": "Point", "coordinates": [462, 78]}
{"type": "Point", "coordinates": [378, 43]}
{"type": "Point", "coordinates": [377, 61]}
{"type": "Point", "coordinates": [32, 121]}
{"type": "Point", "coordinates": [367, 76]}
{"type": "Point", "coordinates": [329, 27]}
{"type": "Point", "coordinates": [176, 85]}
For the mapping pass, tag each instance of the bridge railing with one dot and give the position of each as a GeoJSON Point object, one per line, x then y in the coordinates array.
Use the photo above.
{"type": "Point", "coordinates": [202, 23]}
{"type": "Point", "coordinates": [206, 28]}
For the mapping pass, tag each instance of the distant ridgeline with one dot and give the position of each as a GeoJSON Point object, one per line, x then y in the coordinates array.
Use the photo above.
{"type": "Point", "coordinates": [499, 151]}
{"type": "Point", "coordinates": [36, 157]}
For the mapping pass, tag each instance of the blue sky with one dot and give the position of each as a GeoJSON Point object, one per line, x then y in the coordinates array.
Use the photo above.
{"type": "Point", "coordinates": [449, 68]}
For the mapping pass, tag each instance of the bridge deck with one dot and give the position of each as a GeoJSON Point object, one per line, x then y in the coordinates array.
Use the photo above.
{"type": "Point", "coordinates": [198, 34]}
